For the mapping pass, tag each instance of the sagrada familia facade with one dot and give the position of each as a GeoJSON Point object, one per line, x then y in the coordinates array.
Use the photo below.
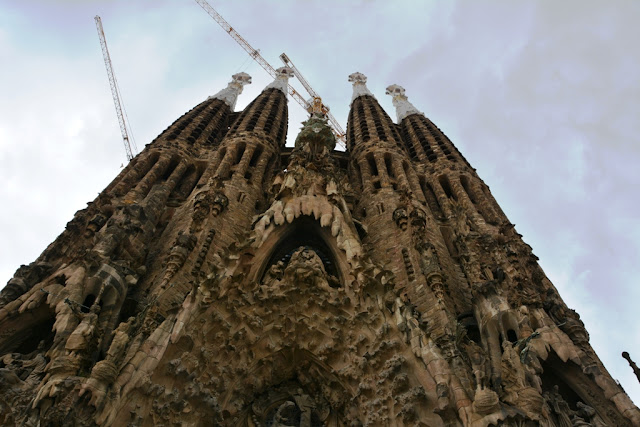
{"type": "Point", "coordinates": [225, 279]}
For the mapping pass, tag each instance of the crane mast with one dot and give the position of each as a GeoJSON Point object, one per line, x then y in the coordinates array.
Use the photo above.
{"type": "Point", "coordinates": [255, 54]}
{"type": "Point", "coordinates": [318, 106]}
{"type": "Point", "coordinates": [115, 92]}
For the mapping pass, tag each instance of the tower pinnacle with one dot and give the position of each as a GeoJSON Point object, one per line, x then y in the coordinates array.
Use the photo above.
{"type": "Point", "coordinates": [403, 107]}
{"type": "Point", "coordinates": [283, 74]}
{"type": "Point", "coordinates": [230, 94]}
{"type": "Point", "coordinates": [359, 81]}
{"type": "Point", "coordinates": [217, 247]}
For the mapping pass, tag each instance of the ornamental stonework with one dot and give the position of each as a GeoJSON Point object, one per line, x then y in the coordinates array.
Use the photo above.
{"type": "Point", "coordinates": [225, 279]}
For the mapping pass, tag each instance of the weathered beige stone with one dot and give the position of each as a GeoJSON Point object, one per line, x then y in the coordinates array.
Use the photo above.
{"type": "Point", "coordinates": [223, 279]}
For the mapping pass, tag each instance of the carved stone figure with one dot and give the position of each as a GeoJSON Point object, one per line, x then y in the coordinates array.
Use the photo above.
{"type": "Point", "coordinates": [184, 244]}
{"type": "Point", "coordinates": [232, 280]}
{"type": "Point", "coordinates": [478, 360]}
{"type": "Point", "coordinates": [79, 339]}
{"type": "Point", "coordinates": [559, 407]}
{"type": "Point", "coordinates": [201, 206]}
{"type": "Point", "coordinates": [513, 376]}
{"type": "Point", "coordinates": [401, 218]}
{"type": "Point", "coordinates": [418, 218]}
{"type": "Point", "coordinates": [306, 266]}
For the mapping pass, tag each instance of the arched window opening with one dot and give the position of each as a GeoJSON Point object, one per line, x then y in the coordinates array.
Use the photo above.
{"type": "Point", "coordinates": [446, 187]}
{"type": "Point", "coordinates": [255, 156]}
{"type": "Point", "coordinates": [554, 373]}
{"type": "Point", "coordinates": [410, 142]}
{"type": "Point", "coordinates": [173, 163]}
{"type": "Point", "coordinates": [359, 181]}
{"type": "Point", "coordinates": [40, 336]}
{"type": "Point", "coordinates": [186, 119]}
{"type": "Point", "coordinates": [447, 235]}
{"type": "Point", "coordinates": [430, 196]}
{"type": "Point", "coordinates": [389, 166]}
{"type": "Point", "coordinates": [186, 185]}
{"type": "Point", "coordinates": [253, 121]}
{"type": "Point", "coordinates": [373, 167]}
{"type": "Point", "coordinates": [351, 130]}
{"type": "Point", "coordinates": [273, 112]}
{"type": "Point", "coordinates": [377, 120]}
{"type": "Point", "coordinates": [468, 321]}
{"type": "Point", "coordinates": [221, 154]}
{"type": "Point", "coordinates": [512, 336]}
{"type": "Point", "coordinates": [390, 172]}
{"type": "Point", "coordinates": [129, 308]}
{"type": "Point", "coordinates": [239, 152]}
{"type": "Point", "coordinates": [269, 169]}
{"type": "Point", "coordinates": [467, 188]}
{"type": "Point", "coordinates": [282, 130]}
{"type": "Point", "coordinates": [362, 121]}
{"type": "Point", "coordinates": [405, 167]}
{"type": "Point", "coordinates": [422, 139]}
{"type": "Point", "coordinates": [30, 332]}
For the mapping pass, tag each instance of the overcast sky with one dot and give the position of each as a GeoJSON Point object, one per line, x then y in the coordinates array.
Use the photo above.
{"type": "Point", "coordinates": [542, 97]}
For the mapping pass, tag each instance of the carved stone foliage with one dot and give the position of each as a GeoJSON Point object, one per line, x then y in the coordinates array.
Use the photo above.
{"type": "Point", "coordinates": [219, 311]}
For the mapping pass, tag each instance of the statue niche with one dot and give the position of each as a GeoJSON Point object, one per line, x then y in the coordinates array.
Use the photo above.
{"type": "Point", "coordinates": [302, 257]}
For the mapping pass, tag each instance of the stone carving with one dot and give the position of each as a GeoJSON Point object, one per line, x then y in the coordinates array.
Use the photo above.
{"type": "Point", "coordinates": [418, 218]}
{"type": "Point", "coordinates": [561, 411]}
{"type": "Point", "coordinates": [184, 244]}
{"type": "Point", "coordinates": [401, 218]}
{"type": "Point", "coordinates": [297, 311]}
{"type": "Point", "coordinates": [95, 224]}
{"type": "Point", "coordinates": [478, 359]}
{"type": "Point", "coordinates": [306, 267]}
{"type": "Point", "coordinates": [23, 280]}
{"type": "Point", "coordinates": [218, 203]}
{"type": "Point", "coordinates": [207, 202]}
{"type": "Point", "coordinates": [568, 320]}
{"type": "Point", "coordinates": [78, 341]}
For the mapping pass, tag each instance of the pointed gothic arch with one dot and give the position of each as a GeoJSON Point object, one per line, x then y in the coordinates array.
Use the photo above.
{"type": "Point", "coordinates": [572, 384]}
{"type": "Point", "coordinates": [25, 332]}
{"type": "Point", "coordinates": [307, 232]}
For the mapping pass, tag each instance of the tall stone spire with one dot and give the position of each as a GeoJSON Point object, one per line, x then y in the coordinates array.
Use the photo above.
{"type": "Point", "coordinates": [283, 74]}
{"type": "Point", "coordinates": [230, 94]}
{"type": "Point", "coordinates": [403, 107]}
{"type": "Point", "coordinates": [224, 277]}
{"type": "Point", "coordinates": [359, 81]}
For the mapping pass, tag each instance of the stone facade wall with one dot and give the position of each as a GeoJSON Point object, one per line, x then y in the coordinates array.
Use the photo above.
{"type": "Point", "coordinates": [222, 279]}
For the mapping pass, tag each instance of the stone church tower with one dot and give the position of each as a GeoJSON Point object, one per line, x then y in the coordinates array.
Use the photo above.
{"type": "Point", "coordinates": [225, 279]}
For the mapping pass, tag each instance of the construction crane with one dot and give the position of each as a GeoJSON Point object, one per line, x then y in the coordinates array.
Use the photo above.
{"type": "Point", "coordinates": [125, 129]}
{"type": "Point", "coordinates": [316, 105]}
{"type": "Point", "coordinates": [255, 54]}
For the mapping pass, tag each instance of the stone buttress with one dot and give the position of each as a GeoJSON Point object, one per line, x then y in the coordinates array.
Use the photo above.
{"type": "Point", "coordinates": [225, 279]}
